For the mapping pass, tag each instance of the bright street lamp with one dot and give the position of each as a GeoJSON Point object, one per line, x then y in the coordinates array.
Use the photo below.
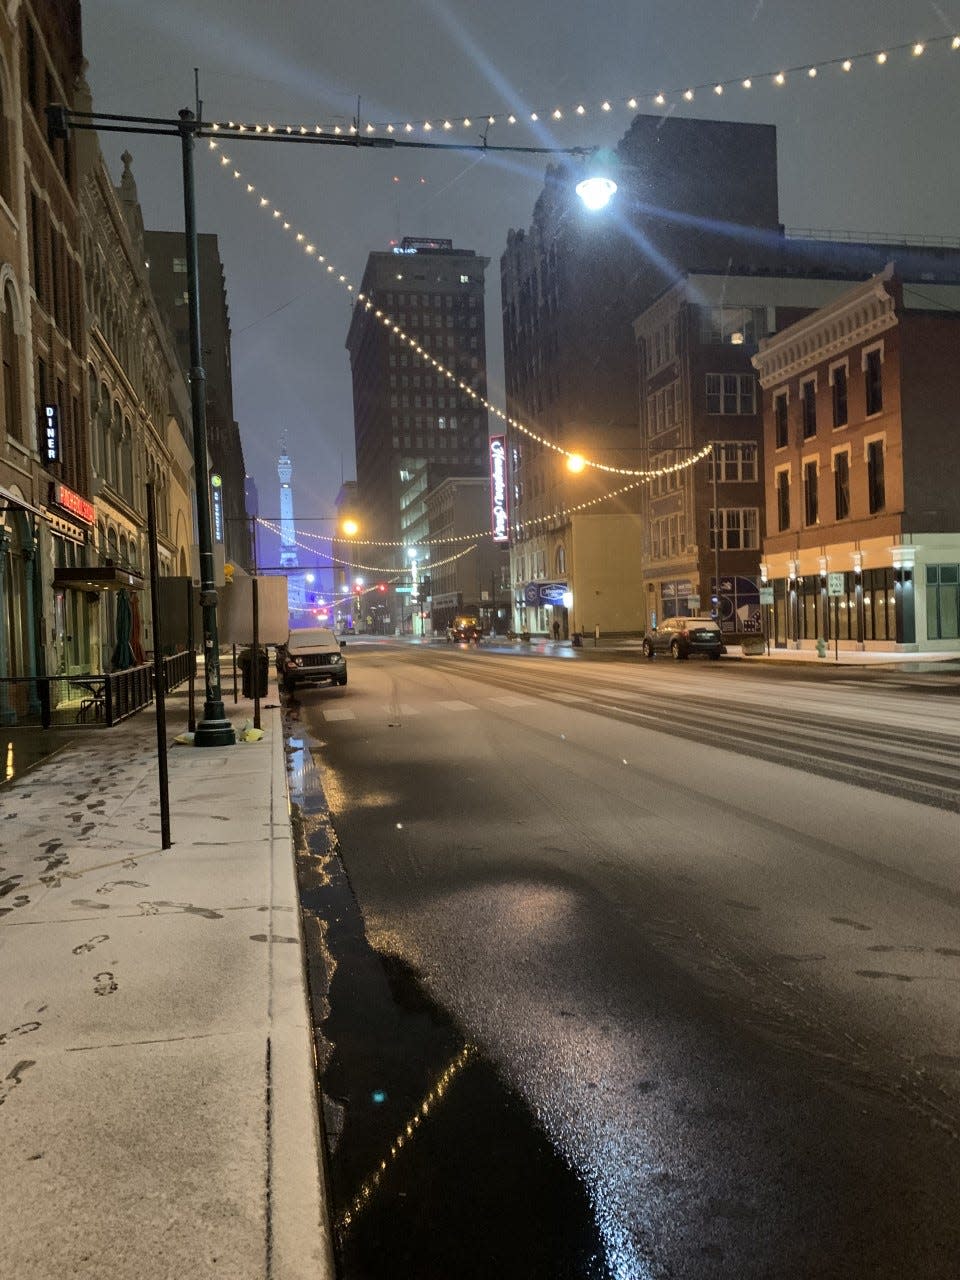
{"type": "Point", "coordinates": [596, 192]}
{"type": "Point", "coordinates": [598, 188]}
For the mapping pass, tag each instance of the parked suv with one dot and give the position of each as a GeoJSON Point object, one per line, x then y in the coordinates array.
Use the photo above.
{"type": "Point", "coordinates": [311, 655]}
{"type": "Point", "coordinates": [682, 636]}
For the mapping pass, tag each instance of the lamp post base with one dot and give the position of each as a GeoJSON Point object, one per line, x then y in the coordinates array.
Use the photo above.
{"type": "Point", "coordinates": [214, 730]}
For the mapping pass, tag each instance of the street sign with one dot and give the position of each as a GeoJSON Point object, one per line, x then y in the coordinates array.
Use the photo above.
{"type": "Point", "coordinates": [403, 591]}
{"type": "Point", "coordinates": [766, 595]}
{"type": "Point", "coordinates": [835, 585]}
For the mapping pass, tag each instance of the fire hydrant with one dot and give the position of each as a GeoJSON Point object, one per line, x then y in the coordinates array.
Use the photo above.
{"type": "Point", "coordinates": [821, 647]}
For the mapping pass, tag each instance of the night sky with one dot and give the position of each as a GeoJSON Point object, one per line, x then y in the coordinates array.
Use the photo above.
{"type": "Point", "coordinates": [873, 150]}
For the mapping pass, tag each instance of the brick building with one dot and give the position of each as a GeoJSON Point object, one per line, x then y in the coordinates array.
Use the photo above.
{"type": "Point", "coordinates": [860, 445]}
{"type": "Point", "coordinates": [694, 194]}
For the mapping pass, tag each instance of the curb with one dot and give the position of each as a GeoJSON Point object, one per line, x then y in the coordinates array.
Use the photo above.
{"type": "Point", "coordinates": [301, 1236]}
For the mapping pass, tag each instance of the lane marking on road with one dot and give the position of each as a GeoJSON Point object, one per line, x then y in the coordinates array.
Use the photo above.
{"type": "Point", "coordinates": [512, 700]}
{"type": "Point", "coordinates": [404, 709]}
{"type": "Point", "coordinates": [453, 705]}
{"type": "Point", "coordinates": [338, 713]}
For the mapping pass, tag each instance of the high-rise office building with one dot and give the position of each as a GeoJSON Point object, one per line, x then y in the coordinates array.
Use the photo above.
{"type": "Point", "coordinates": [406, 413]}
{"type": "Point", "coordinates": [167, 264]}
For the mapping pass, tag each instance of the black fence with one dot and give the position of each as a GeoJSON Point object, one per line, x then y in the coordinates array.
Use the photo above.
{"type": "Point", "coordinates": [86, 701]}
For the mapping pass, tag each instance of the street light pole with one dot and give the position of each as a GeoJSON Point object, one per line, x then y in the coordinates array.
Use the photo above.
{"type": "Point", "coordinates": [214, 730]}
{"type": "Point", "coordinates": [716, 532]}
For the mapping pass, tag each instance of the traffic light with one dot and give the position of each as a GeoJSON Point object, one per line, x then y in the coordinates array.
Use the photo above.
{"type": "Point", "coordinates": [382, 586]}
{"type": "Point", "coordinates": [423, 589]}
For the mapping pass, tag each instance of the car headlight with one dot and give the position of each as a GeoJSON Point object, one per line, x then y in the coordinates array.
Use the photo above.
{"type": "Point", "coordinates": [336, 657]}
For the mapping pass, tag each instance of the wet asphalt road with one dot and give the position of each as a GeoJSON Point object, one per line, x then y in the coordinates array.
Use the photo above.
{"type": "Point", "coordinates": [700, 949]}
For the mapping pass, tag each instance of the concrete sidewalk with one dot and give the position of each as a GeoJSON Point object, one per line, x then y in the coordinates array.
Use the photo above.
{"type": "Point", "coordinates": [157, 1094]}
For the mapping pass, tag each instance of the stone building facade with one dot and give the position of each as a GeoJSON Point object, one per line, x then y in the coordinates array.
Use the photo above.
{"type": "Point", "coordinates": [46, 516]}
{"type": "Point", "coordinates": [138, 402]}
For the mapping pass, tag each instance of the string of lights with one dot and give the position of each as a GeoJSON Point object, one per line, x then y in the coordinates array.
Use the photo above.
{"type": "Point", "coordinates": [406, 1134]}
{"type": "Point", "coordinates": [374, 568]}
{"type": "Point", "coordinates": [655, 98]}
{"type": "Point", "coordinates": [559, 514]}
{"type": "Point", "coordinates": [578, 461]}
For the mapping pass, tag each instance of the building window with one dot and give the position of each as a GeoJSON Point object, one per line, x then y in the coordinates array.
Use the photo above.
{"type": "Point", "coordinates": [668, 537]}
{"type": "Point", "coordinates": [811, 503]}
{"type": "Point", "coordinates": [738, 462]}
{"type": "Point", "coordinates": [6, 150]}
{"type": "Point", "coordinates": [875, 486]}
{"type": "Point", "coordinates": [737, 326]}
{"type": "Point", "coordinates": [873, 379]}
{"type": "Point", "coordinates": [33, 78]}
{"type": "Point", "coordinates": [180, 266]}
{"type": "Point", "coordinates": [783, 500]}
{"type": "Point", "coordinates": [841, 484]}
{"type": "Point", "coordinates": [780, 418]}
{"type": "Point", "coordinates": [839, 375]}
{"type": "Point", "coordinates": [943, 601]}
{"type": "Point", "coordinates": [10, 345]}
{"type": "Point", "coordinates": [739, 529]}
{"type": "Point", "coordinates": [730, 393]}
{"type": "Point", "coordinates": [808, 407]}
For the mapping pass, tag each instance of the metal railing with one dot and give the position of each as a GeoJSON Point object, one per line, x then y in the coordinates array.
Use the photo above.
{"type": "Point", "coordinates": [86, 700]}
{"type": "Point", "coordinates": [898, 238]}
{"type": "Point", "coordinates": [178, 668]}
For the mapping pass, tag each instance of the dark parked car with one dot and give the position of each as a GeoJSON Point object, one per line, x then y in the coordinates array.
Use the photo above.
{"type": "Point", "coordinates": [465, 628]}
{"type": "Point", "coordinates": [682, 636]}
{"type": "Point", "coordinates": [311, 656]}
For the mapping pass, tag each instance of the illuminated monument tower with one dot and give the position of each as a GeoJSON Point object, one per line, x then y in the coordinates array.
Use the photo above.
{"type": "Point", "coordinates": [296, 582]}
{"type": "Point", "coordinates": [288, 534]}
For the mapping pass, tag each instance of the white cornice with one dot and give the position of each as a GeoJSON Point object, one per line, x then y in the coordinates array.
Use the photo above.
{"type": "Point", "coordinates": [856, 316]}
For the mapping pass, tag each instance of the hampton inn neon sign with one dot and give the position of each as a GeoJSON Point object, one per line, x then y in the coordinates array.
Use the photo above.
{"type": "Point", "coordinates": [500, 520]}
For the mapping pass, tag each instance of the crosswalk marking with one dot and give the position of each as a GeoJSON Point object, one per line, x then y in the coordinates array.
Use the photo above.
{"type": "Point", "coordinates": [338, 713]}
{"type": "Point", "coordinates": [512, 700]}
{"type": "Point", "coordinates": [404, 709]}
{"type": "Point", "coordinates": [453, 705]}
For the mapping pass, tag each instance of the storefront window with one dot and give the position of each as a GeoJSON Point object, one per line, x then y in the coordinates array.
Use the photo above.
{"type": "Point", "coordinates": [943, 602]}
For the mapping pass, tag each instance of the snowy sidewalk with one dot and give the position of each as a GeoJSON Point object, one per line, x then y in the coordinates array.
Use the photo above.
{"type": "Point", "coordinates": [157, 1097]}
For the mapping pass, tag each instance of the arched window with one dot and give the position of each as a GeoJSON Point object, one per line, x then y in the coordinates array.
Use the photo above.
{"type": "Point", "coordinates": [93, 391]}
{"type": "Point", "coordinates": [126, 461]}
{"type": "Point", "coordinates": [10, 344]}
{"type": "Point", "coordinates": [113, 549]}
{"type": "Point", "coordinates": [115, 441]}
{"type": "Point", "coordinates": [561, 560]}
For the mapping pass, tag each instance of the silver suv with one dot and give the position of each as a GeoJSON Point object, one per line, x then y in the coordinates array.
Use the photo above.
{"type": "Point", "coordinates": [311, 656]}
{"type": "Point", "coordinates": [682, 636]}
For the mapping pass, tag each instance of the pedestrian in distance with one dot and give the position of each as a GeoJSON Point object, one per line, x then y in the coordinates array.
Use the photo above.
{"type": "Point", "coordinates": [556, 629]}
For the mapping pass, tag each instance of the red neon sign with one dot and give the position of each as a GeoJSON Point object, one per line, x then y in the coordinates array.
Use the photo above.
{"type": "Point", "coordinates": [73, 503]}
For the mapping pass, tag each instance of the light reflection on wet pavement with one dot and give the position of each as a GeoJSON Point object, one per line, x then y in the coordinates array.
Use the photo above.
{"type": "Point", "coordinates": [437, 1168]}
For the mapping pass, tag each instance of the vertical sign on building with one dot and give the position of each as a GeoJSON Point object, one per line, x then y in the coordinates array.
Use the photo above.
{"type": "Point", "coordinates": [499, 515]}
{"type": "Point", "coordinates": [216, 492]}
{"type": "Point", "coordinates": [50, 445]}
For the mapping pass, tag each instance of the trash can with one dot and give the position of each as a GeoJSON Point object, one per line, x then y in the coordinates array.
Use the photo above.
{"type": "Point", "coordinates": [246, 673]}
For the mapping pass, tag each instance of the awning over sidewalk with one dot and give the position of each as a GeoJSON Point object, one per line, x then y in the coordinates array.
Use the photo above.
{"type": "Point", "coordinates": [10, 499]}
{"type": "Point", "coordinates": [105, 577]}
